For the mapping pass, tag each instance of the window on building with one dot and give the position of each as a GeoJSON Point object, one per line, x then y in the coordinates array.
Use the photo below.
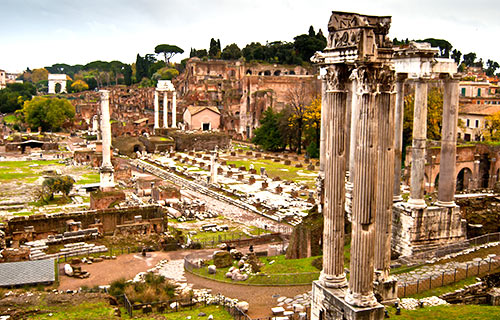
{"type": "Point", "coordinates": [459, 135]}
{"type": "Point", "coordinates": [477, 123]}
{"type": "Point", "coordinates": [467, 137]}
{"type": "Point", "coordinates": [463, 92]}
{"type": "Point", "coordinates": [467, 123]}
{"type": "Point", "coordinates": [478, 102]}
{"type": "Point", "coordinates": [478, 92]}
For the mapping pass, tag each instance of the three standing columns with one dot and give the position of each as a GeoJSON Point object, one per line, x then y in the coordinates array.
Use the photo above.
{"type": "Point", "coordinates": [447, 178]}
{"type": "Point", "coordinates": [417, 179]}
{"type": "Point", "coordinates": [165, 109]}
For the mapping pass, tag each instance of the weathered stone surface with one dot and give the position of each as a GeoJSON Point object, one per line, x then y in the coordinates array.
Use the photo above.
{"type": "Point", "coordinates": [222, 259]}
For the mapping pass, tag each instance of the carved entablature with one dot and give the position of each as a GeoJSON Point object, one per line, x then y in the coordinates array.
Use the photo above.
{"type": "Point", "coordinates": [353, 37]}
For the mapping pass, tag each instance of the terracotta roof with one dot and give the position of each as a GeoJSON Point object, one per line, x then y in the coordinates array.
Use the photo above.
{"type": "Point", "coordinates": [194, 109]}
{"type": "Point", "coordinates": [480, 109]}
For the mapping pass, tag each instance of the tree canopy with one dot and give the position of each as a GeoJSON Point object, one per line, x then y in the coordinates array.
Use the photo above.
{"type": "Point", "coordinates": [268, 135]}
{"type": "Point", "coordinates": [168, 51]}
{"type": "Point", "coordinates": [231, 52]}
{"type": "Point", "coordinates": [47, 113]}
{"type": "Point", "coordinates": [14, 95]}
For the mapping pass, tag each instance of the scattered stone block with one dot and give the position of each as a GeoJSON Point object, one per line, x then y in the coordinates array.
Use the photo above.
{"type": "Point", "coordinates": [287, 162]}
{"type": "Point", "coordinates": [212, 269]}
{"type": "Point", "coordinates": [222, 259]}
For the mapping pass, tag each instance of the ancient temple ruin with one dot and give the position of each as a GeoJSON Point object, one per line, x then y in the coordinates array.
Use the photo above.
{"type": "Point", "coordinates": [419, 225]}
{"type": "Point", "coordinates": [165, 87]}
{"type": "Point", "coordinates": [358, 81]}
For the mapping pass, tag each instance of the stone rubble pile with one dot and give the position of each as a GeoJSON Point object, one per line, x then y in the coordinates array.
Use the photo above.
{"type": "Point", "coordinates": [299, 303]}
{"type": "Point", "coordinates": [412, 304]}
{"type": "Point", "coordinates": [70, 250]}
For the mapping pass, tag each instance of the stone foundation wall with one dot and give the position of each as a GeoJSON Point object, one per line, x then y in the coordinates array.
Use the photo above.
{"type": "Point", "coordinates": [109, 218]}
{"type": "Point", "coordinates": [200, 141]}
{"type": "Point", "coordinates": [418, 230]}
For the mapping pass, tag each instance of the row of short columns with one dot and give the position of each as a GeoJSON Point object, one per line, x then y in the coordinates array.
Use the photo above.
{"type": "Point", "coordinates": [447, 176]}
{"type": "Point", "coordinates": [165, 109]}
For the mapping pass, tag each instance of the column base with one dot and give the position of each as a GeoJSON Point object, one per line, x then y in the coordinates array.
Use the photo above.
{"type": "Point", "coordinates": [331, 281]}
{"type": "Point", "coordinates": [397, 198]}
{"type": "Point", "coordinates": [386, 290]}
{"type": "Point", "coordinates": [448, 204]}
{"type": "Point", "coordinates": [329, 304]}
{"type": "Point", "coordinates": [417, 203]}
{"type": "Point", "coordinates": [361, 300]}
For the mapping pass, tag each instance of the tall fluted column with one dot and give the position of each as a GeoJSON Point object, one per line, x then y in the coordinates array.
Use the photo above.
{"type": "Point", "coordinates": [321, 175]}
{"type": "Point", "coordinates": [106, 170]}
{"type": "Point", "coordinates": [174, 109]}
{"type": "Point", "coordinates": [364, 203]}
{"type": "Point", "coordinates": [447, 178]}
{"type": "Point", "coordinates": [157, 111]}
{"type": "Point", "coordinates": [398, 136]}
{"type": "Point", "coordinates": [333, 274]}
{"type": "Point", "coordinates": [165, 109]}
{"type": "Point", "coordinates": [385, 181]}
{"type": "Point", "coordinates": [418, 145]}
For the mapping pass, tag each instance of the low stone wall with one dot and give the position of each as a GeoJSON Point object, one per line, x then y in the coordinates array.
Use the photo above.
{"type": "Point", "coordinates": [56, 223]}
{"type": "Point", "coordinates": [200, 141]}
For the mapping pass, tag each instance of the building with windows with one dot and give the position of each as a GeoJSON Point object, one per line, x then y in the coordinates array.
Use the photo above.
{"type": "Point", "coordinates": [3, 79]}
{"type": "Point", "coordinates": [478, 100]}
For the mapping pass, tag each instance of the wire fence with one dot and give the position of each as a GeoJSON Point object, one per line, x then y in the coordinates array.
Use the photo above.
{"type": "Point", "coordinates": [105, 254]}
{"type": "Point", "coordinates": [458, 246]}
{"type": "Point", "coordinates": [234, 239]}
{"type": "Point", "coordinates": [441, 278]}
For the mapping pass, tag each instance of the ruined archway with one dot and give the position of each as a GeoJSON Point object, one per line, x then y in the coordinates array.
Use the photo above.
{"type": "Point", "coordinates": [463, 179]}
{"type": "Point", "coordinates": [277, 72]}
{"type": "Point", "coordinates": [249, 72]}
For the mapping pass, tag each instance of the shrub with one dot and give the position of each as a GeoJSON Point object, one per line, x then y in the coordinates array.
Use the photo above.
{"type": "Point", "coordinates": [318, 263]}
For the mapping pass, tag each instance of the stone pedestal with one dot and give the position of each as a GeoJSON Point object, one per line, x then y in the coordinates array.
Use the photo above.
{"type": "Point", "coordinates": [385, 288]}
{"type": "Point", "coordinates": [330, 304]}
{"type": "Point", "coordinates": [417, 230]}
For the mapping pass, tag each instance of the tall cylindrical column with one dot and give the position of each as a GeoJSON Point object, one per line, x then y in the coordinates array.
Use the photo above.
{"type": "Point", "coordinates": [165, 109]}
{"type": "Point", "coordinates": [360, 291]}
{"type": "Point", "coordinates": [333, 274]}
{"type": "Point", "coordinates": [321, 175]}
{"type": "Point", "coordinates": [157, 111]}
{"type": "Point", "coordinates": [106, 170]}
{"type": "Point", "coordinates": [398, 137]}
{"type": "Point", "coordinates": [174, 109]}
{"type": "Point", "coordinates": [418, 145]}
{"type": "Point", "coordinates": [385, 182]}
{"type": "Point", "coordinates": [447, 178]}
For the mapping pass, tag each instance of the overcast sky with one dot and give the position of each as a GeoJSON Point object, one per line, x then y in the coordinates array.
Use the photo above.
{"type": "Point", "coordinates": [38, 33]}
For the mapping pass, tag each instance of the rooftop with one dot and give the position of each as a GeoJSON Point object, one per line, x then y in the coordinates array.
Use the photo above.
{"type": "Point", "coordinates": [26, 272]}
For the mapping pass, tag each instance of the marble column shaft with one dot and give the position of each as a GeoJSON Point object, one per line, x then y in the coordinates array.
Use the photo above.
{"type": "Point", "coordinates": [398, 138]}
{"type": "Point", "coordinates": [165, 109]}
{"type": "Point", "coordinates": [333, 274]}
{"type": "Point", "coordinates": [360, 291]}
{"type": "Point", "coordinates": [174, 109]}
{"type": "Point", "coordinates": [157, 111]}
{"type": "Point", "coordinates": [105, 130]}
{"type": "Point", "coordinates": [385, 182]}
{"type": "Point", "coordinates": [418, 145]}
{"type": "Point", "coordinates": [321, 176]}
{"type": "Point", "coordinates": [447, 178]}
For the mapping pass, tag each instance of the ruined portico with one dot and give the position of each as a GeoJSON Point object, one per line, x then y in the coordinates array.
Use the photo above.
{"type": "Point", "coordinates": [359, 80]}
{"type": "Point", "coordinates": [418, 225]}
{"type": "Point", "coordinates": [167, 89]}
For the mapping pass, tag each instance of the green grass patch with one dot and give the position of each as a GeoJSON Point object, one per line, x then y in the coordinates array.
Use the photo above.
{"type": "Point", "coordinates": [217, 312]}
{"type": "Point", "coordinates": [283, 265]}
{"type": "Point", "coordinates": [10, 119]}
{"type": "Point", "coordinates": [444, 289]}
{"type": "Point", "coordinates": [84, 311]}
{"type": "Point", "coordinates": [276, 169]}
{"type": "Point", "coordinates": [446, 312]}
{"type": "Point", "coordinates": [89, 178]}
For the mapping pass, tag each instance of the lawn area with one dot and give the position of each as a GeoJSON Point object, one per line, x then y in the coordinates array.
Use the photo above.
{"type": "Point", "coordinates": [217, 312]}
{"type": "Point", "coordinates": [445, 312]}
{"type": "Point", "coordinates": [10, 170]}
{"type": "Point", "coordinates": [84, 311]}
{"type": "Point", "coordinates": [10, 119]}
{"type": "Point", "coordinates": [89, 178]}
{"type": "Point", "coordinates": [444, 289]}
{"type": "Point", "coordinates": [282, 265]}
{"type": "Point", "coordinates": [274, 169]}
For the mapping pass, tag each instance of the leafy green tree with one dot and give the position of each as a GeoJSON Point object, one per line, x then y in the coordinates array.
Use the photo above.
{"type": "Point", "coordinates": [491, 131]}
{"type": "Point", "coordinates": [127, 74]}
{"type": "Point", "coordinates": [231, 52]}
{"type": "Point", "coordinates": [165, 73]}
{"type": "Point", "coordinates": [79, 85]}
{"type": "Point", "coordinates": [214, 50]}
{"type": "Point", "coordinates": [48, 113]}
{"type": "Point", "coordinates": [168, 51]}
{"type": "Point", "coordinates": [492, 66]}
{"type": "Point", "coordinates": [268, 135]}
{"type": "Point", "coordinates": [469, 59]}
{"type": "Point", "coordinates": [307, 44]}
{"type": "Point", "coordinates": [198, 53]}
{"type": "Point", "coordinates": [52, 185]}
{"type": "Point", "coordinates": [456, 55]}
{"type": "Point", "coordinates": [13, 96]}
